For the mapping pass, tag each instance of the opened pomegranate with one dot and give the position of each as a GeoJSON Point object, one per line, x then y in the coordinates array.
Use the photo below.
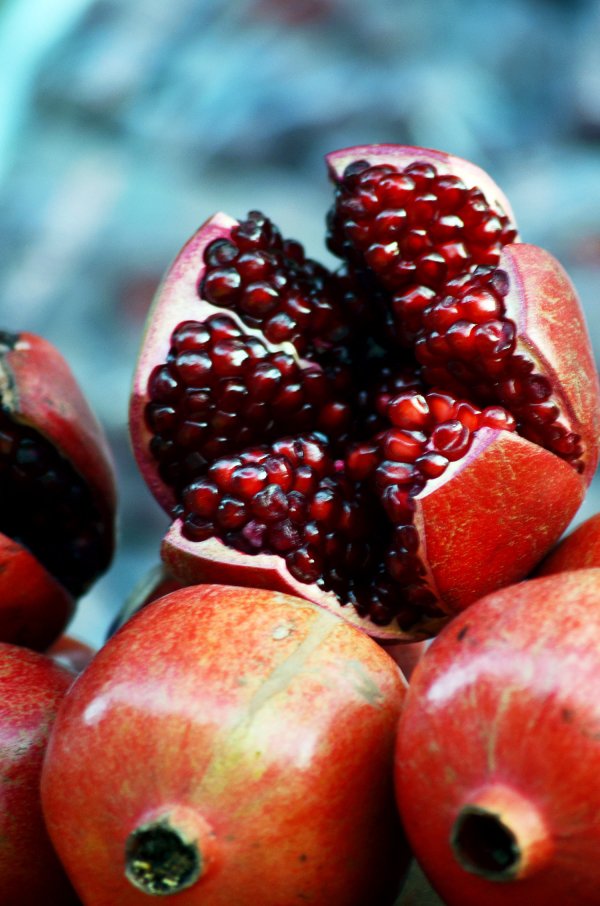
{"type": "Point", "coordinates": [57, 491]}
{"type": "Point", "coordinates": [229, 746]}
{"type": "Point", "coordinates": [498, 754]}
{"type": "Point", "coordinates": [31, 688]}
{"type": "Point", "coordinates": [391, 440]}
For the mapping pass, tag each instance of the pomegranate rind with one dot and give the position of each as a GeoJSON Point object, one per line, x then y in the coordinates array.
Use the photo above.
{"type": "Point", "coordinates": [176, 300]}
{"type": "Point", "coordinates": [491, 518]}
{"type": "Point", "coordinates": [34, 607]}
{"type": "Point", "coordinates": [552, 330]}
{"type": "Point", "coordinates": [402, 156]}
{"type": "Point", "coordinates": [580, 549]}
{"type": "Point", "coordinates": [40, 391]}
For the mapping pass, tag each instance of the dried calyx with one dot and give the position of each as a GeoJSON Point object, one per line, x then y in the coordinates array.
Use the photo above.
{"type": "Point", "coordinates": [305, 413]}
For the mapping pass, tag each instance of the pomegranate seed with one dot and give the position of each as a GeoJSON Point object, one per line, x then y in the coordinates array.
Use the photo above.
{"type": "Point", "coordinates": [201, 497]}
{"type": "Point", "coordinates": [280, 472]}
{"type": "Point", "coordinates": [325, 507]}
{"type": "Point", "coordinates": [163, 386]}
{"type": "Point", "coordinates": [221, 286]}
{"type": "Point", "coordinates": [452, 439]}
{"type": "Point", "coordinates": [496, 417]}
{"type": "Point", "coordinates": [231, 513]}
{"type": "Point", "coordinates": [248, 480]}
{"type": "Point", "coordinates": [221, 251]}
{"type": "Point", "coordinates": [409, 410]}
{"type": "Point", "coordinates": [221, 471]}
{"type": "Point", "coordinates": [197, 529]}
{"type": "Point", "coordinates": [283, 536]}
{"type": "Point", "coordinates": [304, 565]}
{"type": "Point", "coordinates": [431, 464]}
{"type": "Point", "coordinates": [403, 446]}
{"type": "Point", "coordinates": [398, 473]}
{"type": "Point", "coordinates": [397, 503]}
{"type": "Point", "coordinates": [270, 504]}
{"type": "Point", "coordinates": [190, 335]}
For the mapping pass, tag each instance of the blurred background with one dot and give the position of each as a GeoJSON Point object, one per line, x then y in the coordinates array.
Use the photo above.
{"type": "Point", "coordinates": [125, 123]}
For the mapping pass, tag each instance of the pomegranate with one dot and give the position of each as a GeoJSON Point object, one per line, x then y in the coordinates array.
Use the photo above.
{"type": "Point", "coordinates": [577, 550]}
{"type": "Point", "coordinates": [57, 490]}
{"type": "Point", "coordinates": [31, 687]}
{"type": "Point", "coordinates": [369, 439]}
{"type": "Point", "coordinates": [231, 746]}
{"type": "Point", "coordinates": [498, 752]}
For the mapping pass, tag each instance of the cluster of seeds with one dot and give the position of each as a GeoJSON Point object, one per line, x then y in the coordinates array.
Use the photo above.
{"type": "Point", "coordinates": [221, 390]}
{"type": "Point", "coordinates": [270, 283]}
{"type": "Point", "coordinates": [48, 508]}
{"type": "Point", "coordinates": [465, 343]}
{"type": "Point", "coordinates": [414, 228]}
{"type": "Point", "coordinates": [320, 464]}
{"type": "Point", "coordinates": [446, 299]}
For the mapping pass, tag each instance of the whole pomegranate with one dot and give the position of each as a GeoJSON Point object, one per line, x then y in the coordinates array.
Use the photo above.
{"type": "Point", "coordinates": [391, 440]}
{"type": "Point", "coordinates": [31, 687]}
{"type": "Point", "coordinates": [57, 489]}
{"type": "Point", "coordinates": [230, 746]}
{"type": "Point", "coordinates": [498, 752]}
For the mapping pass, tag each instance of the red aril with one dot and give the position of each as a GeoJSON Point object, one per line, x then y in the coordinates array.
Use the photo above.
{"type": "Point", "coordinates": [498, 752]}
{"type": "Point", "coordinates": [369, 439]}
{"type": "Point", "coordinates": [229, 746]}
{"type": "Point", "coordinates": [31, 688]}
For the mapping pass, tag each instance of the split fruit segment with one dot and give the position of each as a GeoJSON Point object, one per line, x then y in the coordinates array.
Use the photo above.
{"type": "Point", "coordinates": [390, 440]}
{"type": "Point", "coordinates": [498, 750]}
{"type": "Point", "coordinates": [230, 746]}
{"type": "Point", "coordinates": [57, 490]}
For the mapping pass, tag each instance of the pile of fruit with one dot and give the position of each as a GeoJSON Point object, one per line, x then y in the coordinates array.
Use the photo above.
{"type": "Point", "coordinates": [355, 461]}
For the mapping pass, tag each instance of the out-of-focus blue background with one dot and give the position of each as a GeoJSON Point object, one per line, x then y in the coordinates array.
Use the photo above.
{"type": "Point", "coordinates": [126, 123]}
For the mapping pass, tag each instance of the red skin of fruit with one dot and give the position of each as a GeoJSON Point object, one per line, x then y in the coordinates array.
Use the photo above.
{"type": "Point", "coordinates": [580, 549]}
{"type": "Point", "coordinates": [31, 688]}
{"type": "Point", "coordinates": [502, 713]}
{"type": "Point", "coordinates": [263, 723]}
{"type": "Point", "coordinates": [513, 498]}
{"type": "Point", "coordinates": [40, 391]}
